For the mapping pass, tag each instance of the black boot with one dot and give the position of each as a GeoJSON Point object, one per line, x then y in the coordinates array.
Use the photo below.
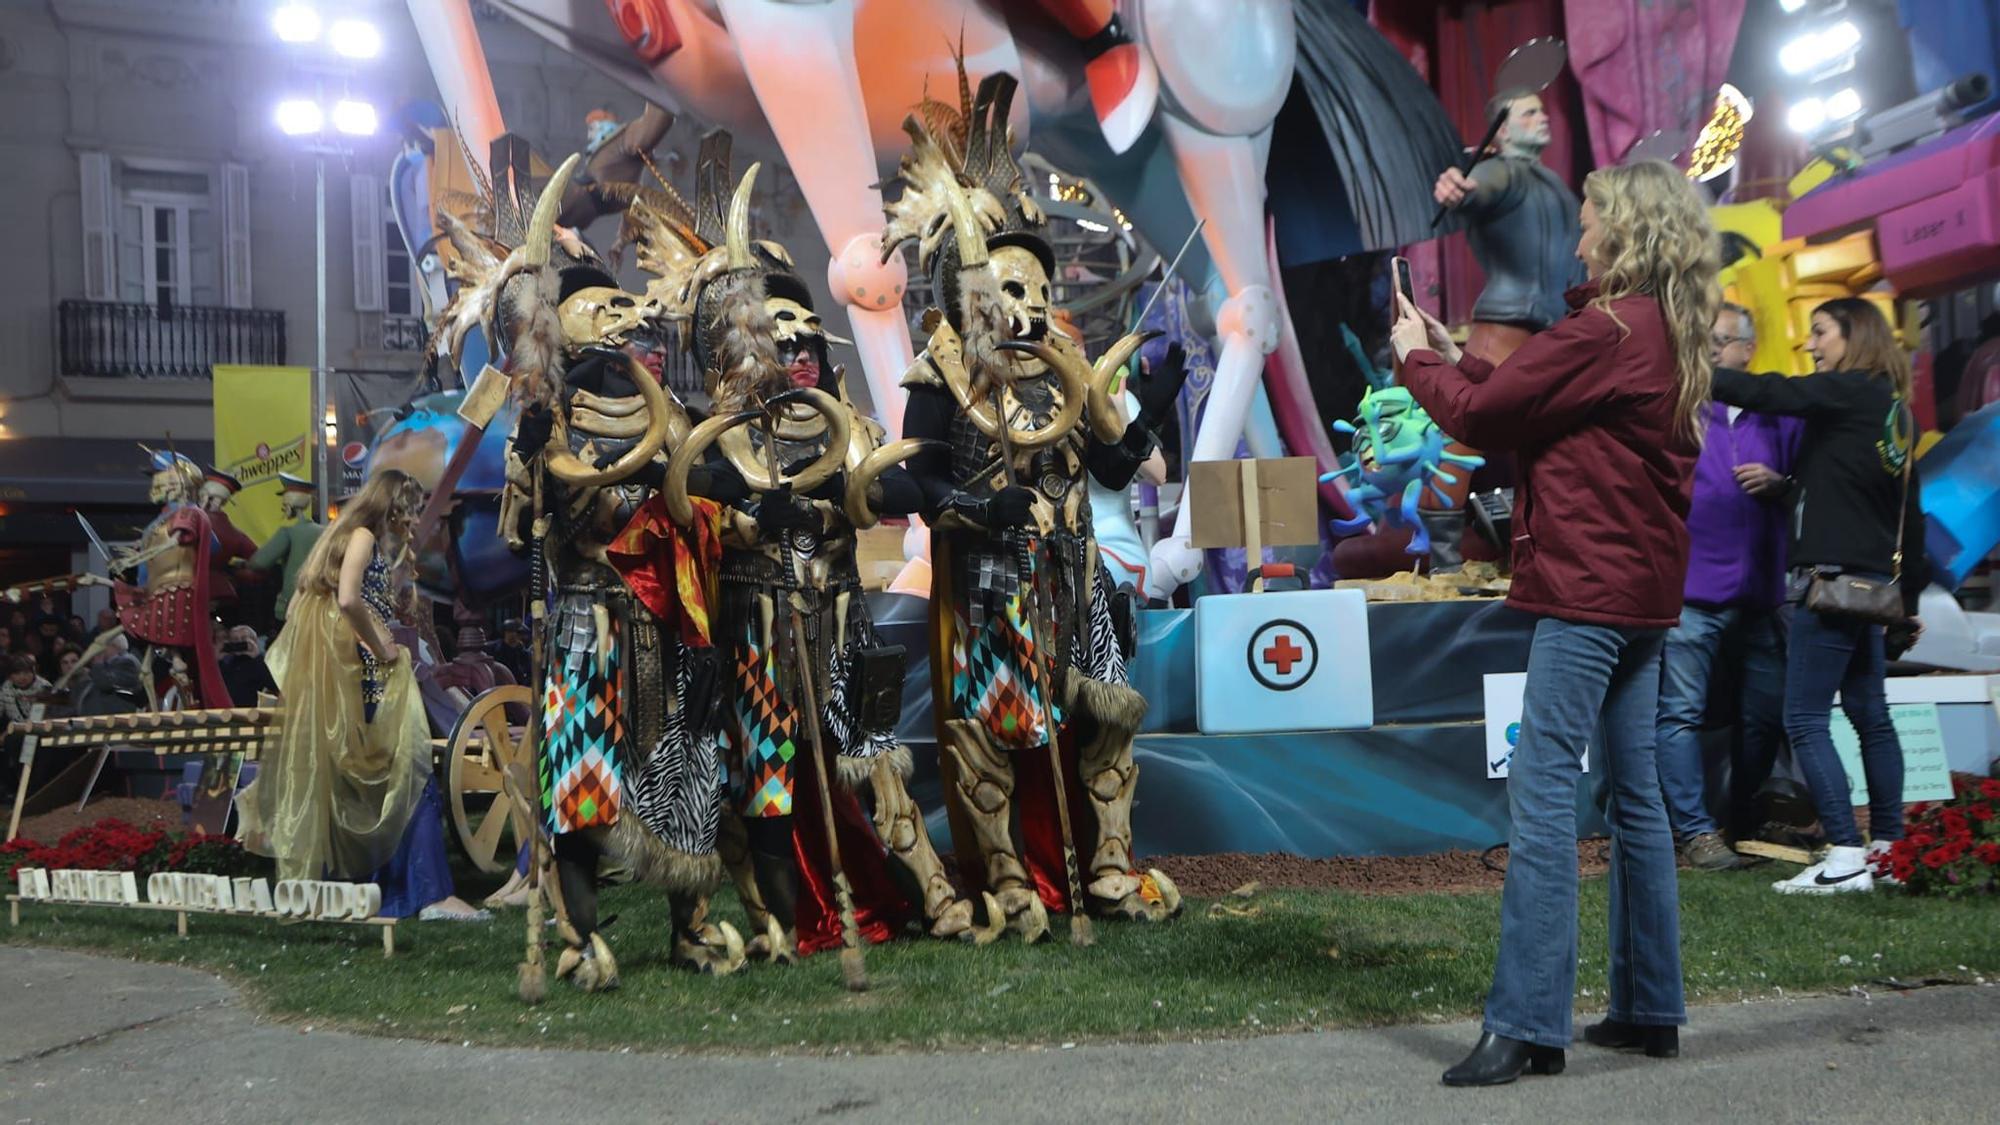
{"type": "Point", "coordinates": [1498, 1060]}
{"type": "Point", "coordinates": [1659, 1042]}
{"type": "Point", "coordinates": [776, 867]}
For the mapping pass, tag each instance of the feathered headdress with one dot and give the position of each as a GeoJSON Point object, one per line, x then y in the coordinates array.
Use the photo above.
{"type": "Point", "coordinates": [708, 273]}
{"type": "Point", "coordinates": [962, 189]}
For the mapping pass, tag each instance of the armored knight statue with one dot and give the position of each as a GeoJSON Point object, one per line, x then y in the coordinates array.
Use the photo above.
{"type": "Point", "coordinates": [162, 591]}
{"type": "Point", "coordinates": [626, 766]}
{"type": "Point", "coordinates": [1026, 653]}
{"type": "Point", "coordinates": [804, 470]}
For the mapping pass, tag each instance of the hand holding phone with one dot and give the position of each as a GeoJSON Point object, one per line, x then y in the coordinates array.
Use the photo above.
{"type": "Point", "coordinates": [1405, 280]}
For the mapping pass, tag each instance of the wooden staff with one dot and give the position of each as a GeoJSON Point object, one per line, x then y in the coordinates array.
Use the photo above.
{"type": "Point", "coordinates": [1080, 930]}
{"type": "Point", "coordinates": [853, 968]}
{"type": "Point", "coordinates": [534, 985]}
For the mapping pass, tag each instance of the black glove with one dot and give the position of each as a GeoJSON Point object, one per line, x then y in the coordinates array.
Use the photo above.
{"type": "Point", "coordinates": [532, 431]}
{"type": "Point", "coordinates": [1161, 387]}
{"type": "Point", "coordinates": [722, 485]}
{"type": "Point", "coordinates": [1012, 506]}
{"type": "Point", "coordinates": [782, 511]}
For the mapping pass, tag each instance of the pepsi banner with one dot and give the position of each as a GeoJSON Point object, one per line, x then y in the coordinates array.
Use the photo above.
{"type": "Point", "coordinates": [365, 403]}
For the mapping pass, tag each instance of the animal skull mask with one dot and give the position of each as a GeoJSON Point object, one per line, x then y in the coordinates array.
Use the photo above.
{"type": "Point", "coordinates": [601, 316]}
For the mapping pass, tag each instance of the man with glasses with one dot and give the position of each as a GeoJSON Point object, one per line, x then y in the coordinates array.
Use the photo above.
{"type": "Point", "coordinates": [1735, 585]}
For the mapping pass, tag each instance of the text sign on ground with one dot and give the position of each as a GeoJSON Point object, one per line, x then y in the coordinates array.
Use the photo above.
{"type": "Point", "coordinates": [1926, 776]}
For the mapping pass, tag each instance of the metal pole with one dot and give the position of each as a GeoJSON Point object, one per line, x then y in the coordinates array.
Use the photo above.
{"type": "Point", "coordinates": [317, 432]}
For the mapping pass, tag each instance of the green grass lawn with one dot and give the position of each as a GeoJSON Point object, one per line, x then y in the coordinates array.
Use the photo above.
{"type": "Point", "coordinates": [1305, 960]}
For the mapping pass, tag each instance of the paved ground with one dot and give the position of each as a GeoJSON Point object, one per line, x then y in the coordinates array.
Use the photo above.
{"type": "Point", "coordinates": [86, 1040]}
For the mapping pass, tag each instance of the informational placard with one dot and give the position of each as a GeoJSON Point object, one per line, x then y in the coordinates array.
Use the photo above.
{"type": "Point", "coordinates": [1504, 691]}
{"type": "Point", "coordinates": [1926, 776]}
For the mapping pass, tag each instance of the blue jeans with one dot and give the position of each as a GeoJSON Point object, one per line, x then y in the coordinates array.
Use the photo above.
{"type": "Point", "coordinates": [1586, 682]}
{"type": "Point", "coordinates": [1684, 681]}
{"type": "Point", "coordinates": [1831, 654]}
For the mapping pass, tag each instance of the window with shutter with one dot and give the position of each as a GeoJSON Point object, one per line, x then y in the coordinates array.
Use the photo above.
{"type": "Point", "coordinates": [100, 221]}
{"type": "Point", "coordinates": [365, 208]}
{"type": "Point", "coordinates": [236, 236]}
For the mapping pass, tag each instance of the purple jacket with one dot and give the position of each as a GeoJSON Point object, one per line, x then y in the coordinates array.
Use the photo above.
{"type": "Point", "coordinates": [1737, 542]}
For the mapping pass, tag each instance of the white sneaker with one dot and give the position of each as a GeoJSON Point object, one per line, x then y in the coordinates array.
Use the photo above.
{"type": "Point", "coordinates": [1843, 870]}
{"type": "Point", "coordinates": [1878, 864]}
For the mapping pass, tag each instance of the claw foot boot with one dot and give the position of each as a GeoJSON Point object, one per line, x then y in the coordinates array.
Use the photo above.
{"type": "Point", "coordinates": [1498, 1060]}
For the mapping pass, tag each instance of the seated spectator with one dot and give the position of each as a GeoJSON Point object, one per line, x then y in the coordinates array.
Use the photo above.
{"type": "Point", "coordinates": [107, 620]}
{"type": "Point", "coordinates": [24, 685]}
{"type": "Point", "coordinates": [115, 682]}
{"type": "Point", "coordinates": [1735, 583]}
{"type": "Point", "coordinates": [243, 670]}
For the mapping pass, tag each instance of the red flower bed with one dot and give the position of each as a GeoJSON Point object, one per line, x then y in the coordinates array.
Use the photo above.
{"type": "Point", "coordinates": [114, 845]}
{"type": "Point", "coordinates": [1950, 848]}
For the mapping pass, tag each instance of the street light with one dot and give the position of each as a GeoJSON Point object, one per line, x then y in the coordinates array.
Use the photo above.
{"type": "Point", "coordinates": [299, 117]}
{"type": "Point", "coordinates": [296, 23]}
{"type": "Point", "coordinates": [346, 41]}
{"type": "Point", "coordinates": [355, 118]}
{"type": "Point", "coordinates": [355, 39]}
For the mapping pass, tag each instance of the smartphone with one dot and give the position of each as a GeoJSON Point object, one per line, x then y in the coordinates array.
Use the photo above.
{"type": "Point", "coordinates": [1405, 283]}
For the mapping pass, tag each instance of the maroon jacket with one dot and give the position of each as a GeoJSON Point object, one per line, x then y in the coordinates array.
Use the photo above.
{"type": "Point", "coordinates": [1600, 522]}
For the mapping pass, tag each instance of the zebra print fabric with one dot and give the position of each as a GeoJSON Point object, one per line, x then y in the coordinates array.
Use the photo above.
{"type": "Point", "coordinates": [678, 792]}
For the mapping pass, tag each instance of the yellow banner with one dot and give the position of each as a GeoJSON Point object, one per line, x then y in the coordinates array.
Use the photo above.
{"type": "Point", "coordinates": [263, 427]}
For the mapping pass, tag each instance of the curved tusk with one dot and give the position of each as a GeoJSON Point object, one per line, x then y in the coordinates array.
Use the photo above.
{"type": "Point", "coordinates": [862, 477]}
{"type": "Point", "coordinates": [674, 488]}
{"type": "Point", "coordinates": [837, 435]}
{"type": "Point", "coordinates": [732, 947]}
{"type": "Point", "coordinates": [542, 222]}
{"type": "Point", "coordinates": [1070, 369]}
{"type": "Point", "coordinates": [661, 413]}
{"type": "Point", "coordinates": [737, 232]}
{"type": "Point", "coordinates": [1107, 421]}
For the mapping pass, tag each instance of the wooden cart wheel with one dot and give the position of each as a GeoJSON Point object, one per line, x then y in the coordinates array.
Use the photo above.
{"type": "Point", "coordinates": [482, 746]}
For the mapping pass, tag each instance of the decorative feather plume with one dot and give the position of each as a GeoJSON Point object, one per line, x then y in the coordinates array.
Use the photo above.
{"type": "Point", "coordinates": [746, 351]}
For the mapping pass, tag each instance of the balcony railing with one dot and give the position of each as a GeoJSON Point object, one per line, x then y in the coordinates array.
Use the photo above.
{"type": "Point", "coordinates": [103, 339]}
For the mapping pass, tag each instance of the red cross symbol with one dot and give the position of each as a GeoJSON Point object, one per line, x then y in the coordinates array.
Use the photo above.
{"type": "Point", "coordinates": [1283, 654]}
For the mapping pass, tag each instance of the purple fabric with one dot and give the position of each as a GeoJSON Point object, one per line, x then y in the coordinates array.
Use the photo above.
{"type": "Point", "coordinates": [1736, 541]}
{"type": "Point", "coordinates": [1645, 65]}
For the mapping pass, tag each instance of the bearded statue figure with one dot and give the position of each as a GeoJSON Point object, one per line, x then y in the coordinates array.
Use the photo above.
{"type": "Point", "coordinates": [626, 762]}
{"type": "Point", "coordinates": [1025, 651]}
{"type": "Point", "coordinates": [162, 588]}
{"type": "Point", "coordinates": [801, 471]}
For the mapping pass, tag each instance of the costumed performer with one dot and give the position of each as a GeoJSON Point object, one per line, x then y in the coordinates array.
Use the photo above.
{"type": "Point", "coordinates": [346, 790]}
{"type": "Point", "coordinates": [1026, 661]}
{"type": "Point", "coordinates": [627, 766]}
{"type": "Point", "coordinates": [804, 470]}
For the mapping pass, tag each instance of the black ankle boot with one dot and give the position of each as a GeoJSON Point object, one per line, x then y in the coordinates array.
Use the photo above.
{"type": "Point", "coordinates": [1498, 1060]}
{"type": "Point", "coordinates": [1659, 1042]}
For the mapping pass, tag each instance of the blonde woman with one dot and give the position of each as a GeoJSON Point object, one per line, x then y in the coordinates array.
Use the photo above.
{"type": "Point", "coordinates": [1852, 516]}
{"type": "Point", "coordinates": [346, 790]}
{"type": "Point", "coordinates": [1605, 410]}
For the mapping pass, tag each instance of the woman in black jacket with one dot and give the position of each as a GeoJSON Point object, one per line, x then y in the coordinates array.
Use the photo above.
{"type": "Point", "coordinates": [1850, 504]}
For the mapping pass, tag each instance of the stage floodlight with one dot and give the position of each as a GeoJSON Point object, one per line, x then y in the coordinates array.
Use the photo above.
{"type": "Point", "coordinates": [1815, 49]}
{"type": "Point", "coordinates": [298, 117]}
{"type": "Point", "coordinates": [355, 118]}
{"type": "Point", "coordinates": [1843, 104]}
{"type": "Point", "coordinates": [1807, 116]}
{"type": "Point", "coordinates": [296, 23]}
{"type": "Point", "coordinates": [355, 39]}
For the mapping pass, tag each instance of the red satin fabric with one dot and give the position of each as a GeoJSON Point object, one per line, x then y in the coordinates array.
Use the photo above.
{"type": "Point", "coordinates": [880, 907]}
{"type": "Point", "coordinates": [672, 569]}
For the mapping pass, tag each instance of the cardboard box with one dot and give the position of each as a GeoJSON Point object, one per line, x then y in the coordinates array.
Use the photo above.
{"type": "Point", "coordinates": [878, 555]}
{"type": "Point", "coordinates": [1286, 498]}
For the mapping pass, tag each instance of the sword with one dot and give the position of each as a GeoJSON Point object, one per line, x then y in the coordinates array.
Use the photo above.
{"type": "Point", "coordinates": [96, 540]}
{"type": "Point", "coordinates": [1171, 267]}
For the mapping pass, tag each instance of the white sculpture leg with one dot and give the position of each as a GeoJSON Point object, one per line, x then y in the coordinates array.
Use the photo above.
{"type": "Point", "coordinates": [799, 58]}
{"type": "Point", "coordinates": [1224, 181]}
{"type": "Point", "coordinates": [458, 65]}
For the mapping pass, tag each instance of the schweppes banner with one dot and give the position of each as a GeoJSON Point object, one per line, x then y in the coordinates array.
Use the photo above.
{"type": "Point", "coordinates": [263, 427]}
